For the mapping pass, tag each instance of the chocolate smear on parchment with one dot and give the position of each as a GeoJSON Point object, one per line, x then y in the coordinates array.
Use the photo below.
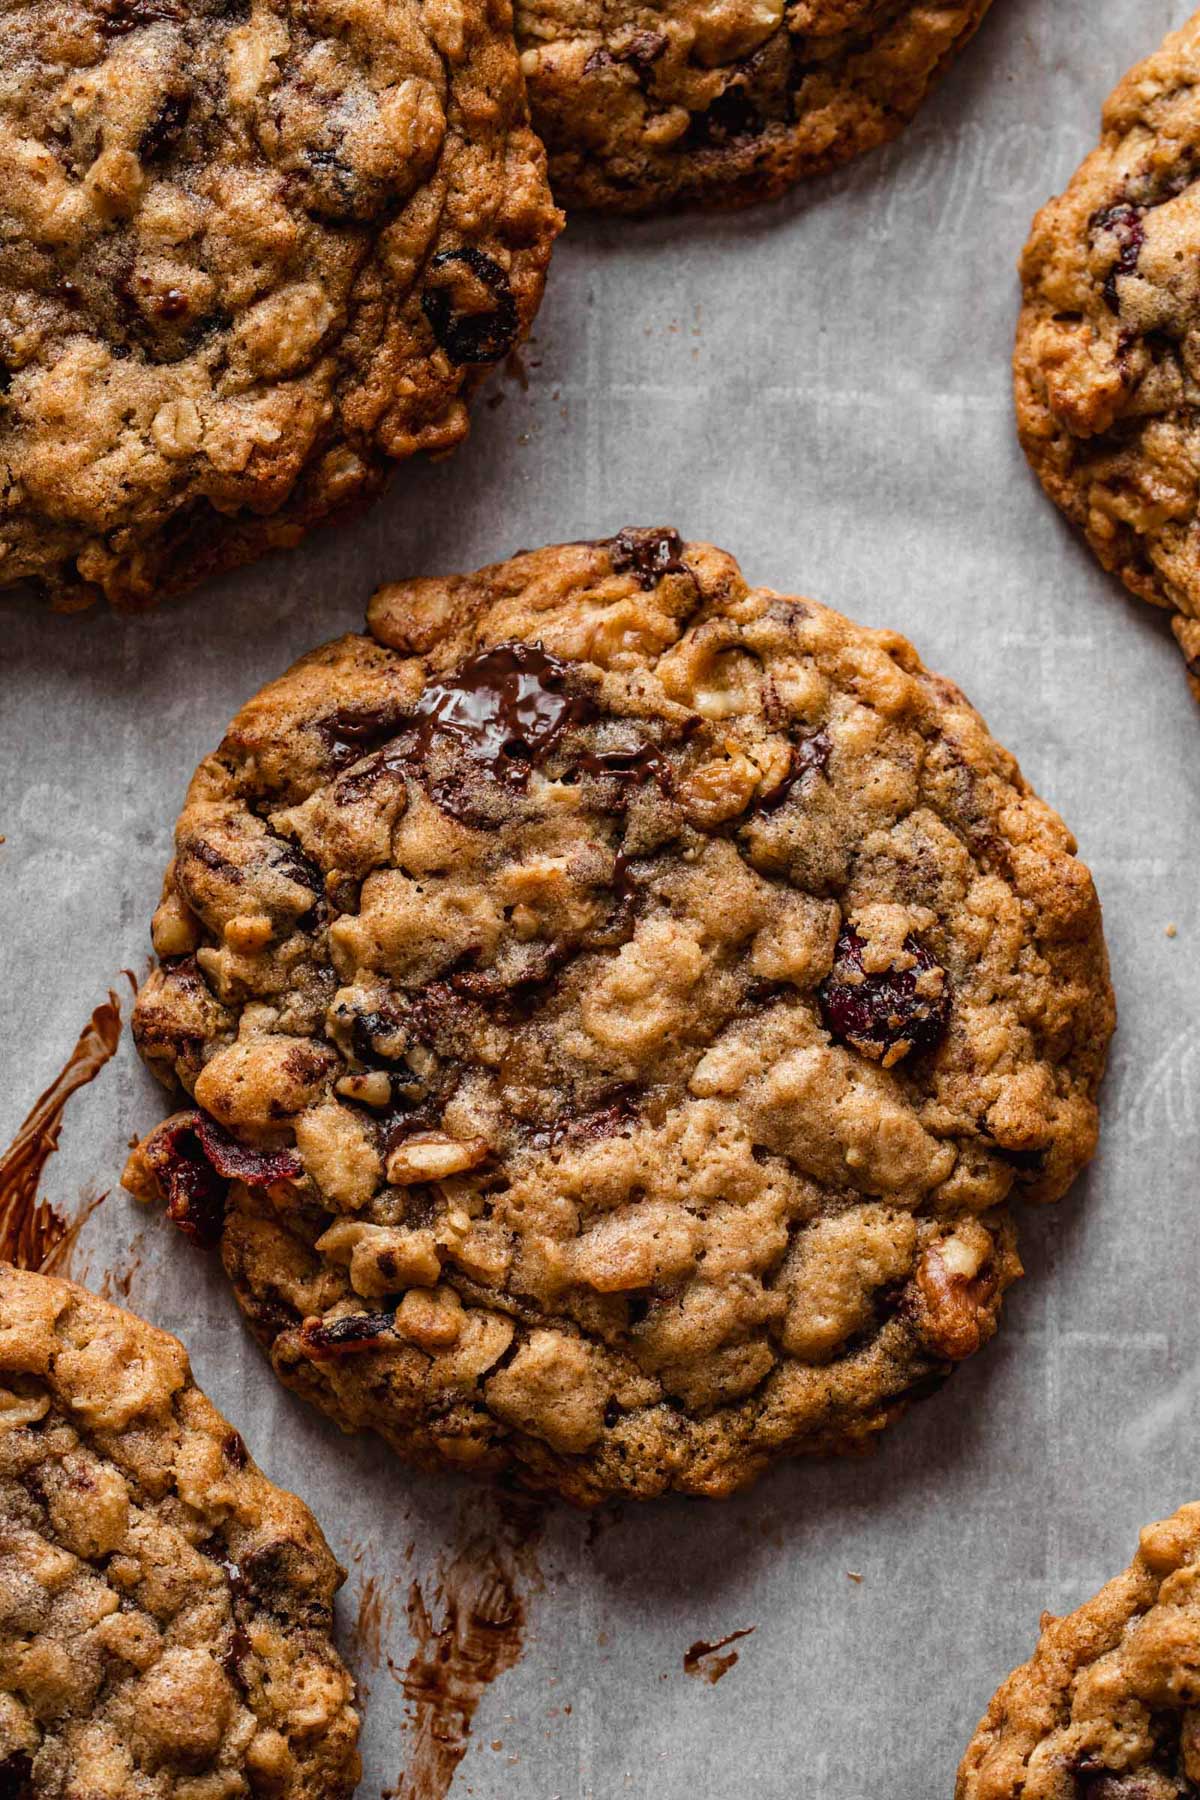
{"type": "Point", "coordinates": [704, 1659]}
{"type": "Point", "coordinates": [116, 1282]}
{"type": "Point", "coordinates": [33, 1235]}
{"type": "Point", "coordinates": [468, 1627]}
{"type": "Point", "coordinates": [372, 1619]}
{"type": "Point", "coordinates": [367, 1630]}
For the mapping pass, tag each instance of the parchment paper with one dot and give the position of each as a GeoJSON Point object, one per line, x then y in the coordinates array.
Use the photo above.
{"type": "Point", "coordinates": [823, 388]}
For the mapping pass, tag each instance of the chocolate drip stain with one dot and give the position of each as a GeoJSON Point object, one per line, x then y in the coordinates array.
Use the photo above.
{"type": "Point", "coordinates": [32, 1234]}
{"type": "Point", "coordinates": [704, 1660]}
{"type": "Point", "coordinates": [477, 1636]}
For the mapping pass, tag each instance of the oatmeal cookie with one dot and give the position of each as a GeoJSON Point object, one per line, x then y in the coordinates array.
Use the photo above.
{"type": "Point", "coordinates": [166, 1614]}
{"type": "Point", "coordinates": [1108, 1706]}
{"type": "Point", "coordinates": [646, 104]}
{"type": "Point", "coordinates": [252, 252]}
{"type": "Point", "coordinates": [617, 1004]}
{"type": "Point", "coordinates": [1107, 362]}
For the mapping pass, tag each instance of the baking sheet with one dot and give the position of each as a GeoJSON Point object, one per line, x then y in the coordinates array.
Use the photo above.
{"type": "Point", "coordinates": [823, 388]}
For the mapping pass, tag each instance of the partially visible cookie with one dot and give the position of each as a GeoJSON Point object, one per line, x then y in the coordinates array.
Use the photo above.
{"type": "Point", "coordinates": [166, 1614]}
{"type": "Point", "coordinates": [1108, 1706]}
{"type": "Point", "coordinates": [618, 1003]}
{"type": "Point", "coordinates": [252, 253]}
{"type": "Point", "coordinates": [1108, 349]}
{"type": "Point", "coordinates": [647, 104]}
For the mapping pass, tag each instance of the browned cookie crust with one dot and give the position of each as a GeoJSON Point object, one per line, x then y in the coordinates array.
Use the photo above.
{"type": "Point", "coordinates": [251, 253]}
{"type": "Point", "coordinates": [1108, 350]}
{"type": "Point", "coordinates": [646, 104]}
{"type": "Point", "coordinates": [166, 1614]}
{"type": "Point", "coordinates": [618, 1003]}
{"type": "Point", "coordinates": [1108, 1707]}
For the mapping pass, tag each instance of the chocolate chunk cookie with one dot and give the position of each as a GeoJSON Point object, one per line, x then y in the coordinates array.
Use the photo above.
{"type": "Point", "coordinates": [618, 1003]}
{"type": "Point", "coordinates": [647, 104]}
{"type": "Point", "coordinates": [1108, 1707]}
{"type": "Point", "coordinates": [1108, 350]}
{"type": "Point", "coordinates": [166, 1615]}
{"type": "Point", "coordinates": [252, 252]}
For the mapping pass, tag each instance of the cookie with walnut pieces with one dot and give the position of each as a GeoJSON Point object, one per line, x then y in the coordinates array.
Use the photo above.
{"type": "Point", "coordinates": [649, 104]}
{"type": "Point", "coordinates": [1107, 362]}
{"type": "Point", "coordinates": [166, 1614]}
{"type": "Point", "coordinates": [252, 253]}
{"type": "Point", "coordinates": [1106, 1708]}
{"type": "Point", "coordinates": [617, 1004]}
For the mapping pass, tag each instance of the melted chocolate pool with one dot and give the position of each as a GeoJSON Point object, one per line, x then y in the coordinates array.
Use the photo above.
{"type": "Point", "coordinates": [503, 706]}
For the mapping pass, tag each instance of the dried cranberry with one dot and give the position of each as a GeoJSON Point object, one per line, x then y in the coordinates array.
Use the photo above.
{"type": "Point", "coordinates": [467, 336]}
{"type": "Point", "coordinates": [361, 1331]}
{"type": "Point", "coordinates": [194, 1161]}
{"type": "Point", "coordinates": [234, 1449]}
{"type": "Point", "coordinates": [194, 1192]}
{"type": "Point", "coordinates": [1124, 222]}
{"type": "Point", "coordinates": [237, 1162]}
{"type": "Point", "coordinates": [649, 554]}
{"type": "Point", "coordinates": [882, 1015]}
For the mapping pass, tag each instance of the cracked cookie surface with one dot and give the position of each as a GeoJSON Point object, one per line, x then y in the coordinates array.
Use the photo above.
{"type": "Point", "coordinates": [252, 252]}
{"type": "Point", "coordinates": [618, 1003]}
{"type": "Point", "coordinates": [1107, 365]}
{"type": "Point", "coordinates": [685, 102]}
{"type": "Point", "coordinates": [166, 1614]}
{"type": "Point", "coordinates": [1108, 1706]}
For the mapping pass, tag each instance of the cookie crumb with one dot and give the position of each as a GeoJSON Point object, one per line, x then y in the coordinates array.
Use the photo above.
{"type": "Point", "coordinates": [854, 1576]}
{"type": "Point", "coordinates": [1172, 931]}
